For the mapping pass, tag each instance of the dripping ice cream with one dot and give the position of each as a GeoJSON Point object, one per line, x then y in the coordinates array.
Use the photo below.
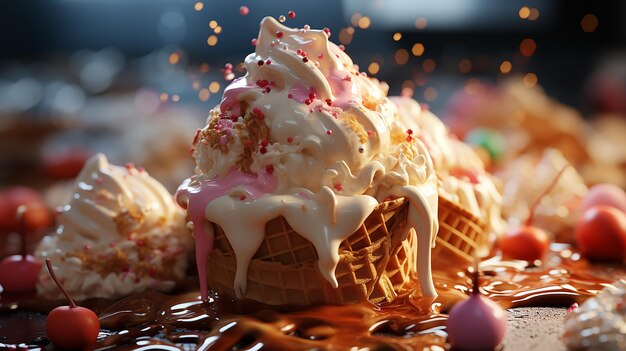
{"type": "Point", "coordinates": [120, 233]}
{"type": "Point", "coordinates": [306, 136]}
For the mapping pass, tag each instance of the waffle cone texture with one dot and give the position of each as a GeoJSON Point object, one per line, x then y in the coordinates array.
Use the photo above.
{"type": "Point", "coordinates": [461, 235]}
{"type": "Point", "coordinates": [375, 263]}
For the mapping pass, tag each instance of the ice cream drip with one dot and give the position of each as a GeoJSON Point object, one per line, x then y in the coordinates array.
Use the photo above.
{"type": "Point", "coordinates": [305, 136]}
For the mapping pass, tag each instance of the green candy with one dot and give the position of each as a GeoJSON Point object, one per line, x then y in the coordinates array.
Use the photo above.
{"type": "Point", "coordinates": [488, 139]}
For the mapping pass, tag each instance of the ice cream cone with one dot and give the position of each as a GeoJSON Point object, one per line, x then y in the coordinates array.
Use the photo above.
{"type": "Point", "coordinates": [374, 263]}
{"type": "Point", "coordinates": [461, 235]}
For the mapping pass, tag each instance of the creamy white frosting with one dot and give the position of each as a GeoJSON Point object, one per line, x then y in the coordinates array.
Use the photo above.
{"type": "Point", "coordinates": [600, 322]}
{"type": "Point", "coordinates": [480, 197]}
{"type": "Point", "coordinates": [324, 149]}
{"type": "Point", "coordinates": [120, 233]}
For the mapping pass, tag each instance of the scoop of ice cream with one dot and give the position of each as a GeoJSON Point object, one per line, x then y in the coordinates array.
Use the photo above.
{"type": "Point", "coordinates": [120, 233]}
{"type": "Point", "coordinates": [600, 322]}
{"type": "Point", "coordinates": [461, 170]}
{"type": "Point", "coordinates": [305, 129]}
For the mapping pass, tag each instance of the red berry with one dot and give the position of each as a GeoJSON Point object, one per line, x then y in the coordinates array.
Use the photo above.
{"type": "Point", "coordinates": [39, 216]}
{"type": "Point", "coordinates": [291, 14]}
{"type": "Point", "coordinates": [601, 234]}
{"type": "Point", "coordinates": [65, 165]}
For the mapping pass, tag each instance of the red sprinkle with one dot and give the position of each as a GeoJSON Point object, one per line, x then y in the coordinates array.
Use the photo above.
{"type": "Point", "coordinates": [262, 83]}
{"type": "Point", "coordinates": [268, 61]}
{"type": "Point", "coordinates": [369, 133]}
{"type": "Point", "coordinates": [291, 14]}
{"type": "Point", "coordinates": [342, 47]}
{"type": "Point", "coordinates": [320, 56]}
{"type": "Point", "coordinates": [338, 187]}
{"type": "Point", "coordinates": [305, 59]}
{"type": "Point", "coordinates": [308, 101]}
{"type": "Point", "coordinates": [409, 138]}
{"type": "Point", "coordinates": [264, 142]}
{"type": "Point", "coordinates": [279, 34]}
{"type": "Point", "coordinates": [290, 140]}
{"type": "Point", "coordinates": [347, 78]}
{"type": "Point", "coordinates": [269, 169]}
{"type": "Point", "coordinates": [329, 102]}
{"type": "Point", "coordinates": [409, 131]}
{"type": "Point", "coordinates": [262, 150]}
{"type": "Point", "coordinates": [327, 31]}
{"type": "Point", "coordinates": [260, 63]}
{"type": "Point", "coordinates": [329, 132]}
{"type": "Point", "coordinates": [244, 10]}
{"type": "Point", "coordinates": [267, 90]}
{"type": "Point", "coordinates": [312, 96]}
{"type": "Point", "coordinates": [242, 197]}
{"type": "Point", "coordinates": [254, 41]}
{"type": "Point", "coordinates": [290, 95]}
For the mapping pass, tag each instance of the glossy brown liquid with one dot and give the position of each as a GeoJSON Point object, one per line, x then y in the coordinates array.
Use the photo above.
{"type": "Point", "coordinates": [153, 321]}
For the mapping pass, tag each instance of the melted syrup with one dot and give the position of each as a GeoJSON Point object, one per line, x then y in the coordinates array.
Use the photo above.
{"type": "Point", "coordinates": [154, 321]}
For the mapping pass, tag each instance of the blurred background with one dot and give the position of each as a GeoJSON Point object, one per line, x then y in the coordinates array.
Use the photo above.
{"type": "Point", "coordinates": [135, 79]}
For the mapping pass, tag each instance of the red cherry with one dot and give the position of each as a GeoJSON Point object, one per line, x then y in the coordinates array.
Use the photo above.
{"type": "Point", "coordinates": [601, 234]}
{"type": "Point", "coordinates": [19, 274]}
{"type": "Point", "coordinates": [39, 215]}
{"type": "Point", "coordinates": [66, 165]}
{"type": "Point", "coordinates": [71, 327]}
{"type": "Point", "coordinates": [524, 243]}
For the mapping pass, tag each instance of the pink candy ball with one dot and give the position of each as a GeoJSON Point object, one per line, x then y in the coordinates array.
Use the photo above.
{"type": "Point", "coordinates": [607, 195]}
{"type": "Point", "coordinates": [477, 324]}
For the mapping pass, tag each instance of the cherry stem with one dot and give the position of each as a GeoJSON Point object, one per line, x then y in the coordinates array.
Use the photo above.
{"type": "Point", "coordinates": [545, 192]}
{"type": "Point", "coordinates": [58, 283]}
{"type": "Point", "coordinates": [475, 282]}
{"type": "Point", "coordinates": [20, 213]}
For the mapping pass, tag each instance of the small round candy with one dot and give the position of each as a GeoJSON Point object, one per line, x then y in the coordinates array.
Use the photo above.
{"type": "Point", "coordinates": [72, 328]}
{"type": "Point", "coordinates": [605, 194]}
{"type": "Point", "coordinates": [488, 139]}
{"type": "Point", "coordinates": [477, 324]}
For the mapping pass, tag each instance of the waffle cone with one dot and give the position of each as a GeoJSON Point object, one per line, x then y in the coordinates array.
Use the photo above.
{"type": "Point", "coordinates": [461, 235]}
{"type": "Point", "coordinates": [375, 263]}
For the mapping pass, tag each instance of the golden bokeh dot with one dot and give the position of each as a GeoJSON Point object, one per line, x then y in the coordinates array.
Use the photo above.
{"type": "Point", "coordinates": [373, 68]}
{"type": "Point", "coordinates": [214, 87]}
{"type": "Point", "coordinates": [175, 98]}
{"type": "Point", "coordinates": [204, 68]}
{"type": "Point", "coordinates": [174, 58]}
{"type": "Point", "coordinates": [345, 37]}
{"type": "Point", "coordinates": [505, 67]}
{"type": "Point", "coordinates": [204, 94]}
{"type": "Point", "coordinates": [527, 47]}
{"type": "Point", "coordinates": [534, 14]}
{"type": "Point", "coordinates": [530, 80]}
{"type": "Point", "coordinates": [408, 84]}
{"type": "Point", "coordinates": [589, 23]}
{"type": "Point", "coordinates": [218, 29]}
{"type": "Point", "coordinates": [418, 49]}
{"type": "Point", "coordinates": [524, 12]}
{"type": "Point", "coordinates": [212, 40]}
{"type": "Point", "coordinates": [163, 97]}
{"type": "Point", "coordinates": [465, 66]}
{"type": "Point", "coordinates": [364, 22]}
{"type": "Point", "coordinates": [421, 23]}
{"type": "Point", "coordinates": [401, 56]}
{"type": "Point", "coordinates": [198, 6]}
{"type": "Point", "coordinates": [429, 65]}
{"type": "Point", "coordinates": [430, 94]}
{"type": "Point", "coordinates": [213, 24]}
{"type": "Point", "coordinates": [350, 30]}
{"type": "Point", "coordinates": [397, 36]}
{"type": "Point", "coordinates": [195, 85]}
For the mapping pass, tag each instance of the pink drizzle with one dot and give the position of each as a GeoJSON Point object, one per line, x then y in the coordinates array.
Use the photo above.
{"type": "Point", "coordinates": [229, 99]}
{"type": "Point", "coordinates": [198, 196]}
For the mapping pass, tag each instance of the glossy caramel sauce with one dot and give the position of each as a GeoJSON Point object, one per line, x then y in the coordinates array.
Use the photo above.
{"type": "Point", "coordinates": [154, 321]}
